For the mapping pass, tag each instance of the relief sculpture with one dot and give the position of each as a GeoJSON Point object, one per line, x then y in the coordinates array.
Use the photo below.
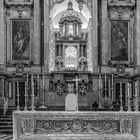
{"type": "Point", "coordinates": [20, 40]}
{"type": "Point", "coordinates": [119, 41]}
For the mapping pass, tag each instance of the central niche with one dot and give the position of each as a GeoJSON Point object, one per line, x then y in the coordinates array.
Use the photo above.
{"type": "Point", "coordinates": [68, 42]}
{"type": "Point", "coordinates": [71, 56]}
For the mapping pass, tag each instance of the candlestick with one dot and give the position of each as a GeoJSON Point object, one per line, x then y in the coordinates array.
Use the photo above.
{"type": "Point", "coordinates": [38, 84]}
{"type": "Point", "coordinates": [18, 107]}
{"type": "Point", "coordinates": [109, 87]}
{"type": "Point", "coordinates": [112, 88]}
{"type": "Point", "coordinates": [105, 87]}
{"type": "Point", "coordinates": [43, 92]}
{"type": "Point", "coordinates": [121, 101]}
{"type": "Point", "coordinates": [25, 108]}
{"type": "Point", "coordinates": [100, 89]}
{"type": "Point", "coordinates": [32, 82]}
{"type": "Point", "coordinates": [128, 96]}
{"type": "Point", "coordinates": [136, 96]}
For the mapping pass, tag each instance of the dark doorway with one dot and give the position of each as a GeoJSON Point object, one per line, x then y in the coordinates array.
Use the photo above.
{"type": "Point", "coordinates": [21, 93]}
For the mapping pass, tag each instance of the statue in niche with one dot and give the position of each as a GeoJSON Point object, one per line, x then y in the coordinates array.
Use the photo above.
{"type": "Point", "coordinates": [119, 41]}
{"type": "Point", "coordinates": [20, 40]}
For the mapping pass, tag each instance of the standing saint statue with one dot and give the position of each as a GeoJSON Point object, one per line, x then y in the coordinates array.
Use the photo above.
{"type": "Point", "coordinates": [19, 42]}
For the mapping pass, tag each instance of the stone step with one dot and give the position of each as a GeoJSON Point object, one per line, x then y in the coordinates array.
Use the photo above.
{"type": "Point", "coordinates": [6, 127]}
{"type": "Point", "coordinates": [6, 137]}
{"type": "Point", "coordinates": [6, 131]}
{"type": "Point", "coordinates": [5, 119]}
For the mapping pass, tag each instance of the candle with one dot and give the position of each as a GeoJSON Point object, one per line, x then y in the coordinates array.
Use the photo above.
{"type": "Point", "coordinates": [18, 96]}
{"type": "Point", "coordinates": [109, 88]}
{"type": "Point", "coordinates": [25, 96]}
{"type": "Point", "coordinates": [43, 81]}
{"type": "Point", "coordinates": [112, 87]}
{"type": "Point", "coordinates": [38, 83]}
{"type": "Point", "coordinates": [121, 101]}
{"type": "Point", "coordinates": [32, 80]}
{"type": "Point", "coordinates": [105, 86]}
{"type": "Point", "coordinates": [128, 95]}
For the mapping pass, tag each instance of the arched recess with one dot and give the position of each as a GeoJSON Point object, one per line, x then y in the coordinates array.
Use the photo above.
{"type": "Point", "coordinates": [55, 10]}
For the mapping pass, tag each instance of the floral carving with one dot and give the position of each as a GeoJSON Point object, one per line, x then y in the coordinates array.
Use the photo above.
{"type": "Point", "coordinates": [82, 64]}
{"type": "Point", "coordinates": [83, 89]}
{"type": "Point", "coordinates": [126, 126]}
{"type": "Point", "coordinates": [28, 126]}
{"type": "Point", "coordinates": [59, 87]}
{"type": "Point", "coordinates": [77, 126]}
{"type": "Point", "coordinates": [59, 62]}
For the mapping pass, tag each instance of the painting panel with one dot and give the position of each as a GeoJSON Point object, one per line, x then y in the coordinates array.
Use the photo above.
{"type": "Point", "coordinates": [119, 41]}
{"type": "Point", "coordinates": [20, 39]}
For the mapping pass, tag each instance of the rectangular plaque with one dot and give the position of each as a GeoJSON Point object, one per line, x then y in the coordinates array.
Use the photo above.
{"type": "Point", "coordinates": [71, 56]}
{"type": "Point", "coordinates": [20, 35]}
{"type": "Point", "coordinates": [119, 40]}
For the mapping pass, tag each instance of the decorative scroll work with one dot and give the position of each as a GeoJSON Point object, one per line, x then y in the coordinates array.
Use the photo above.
{"type": "Point", "coordinates": [28, 126]}
{"type": "Point", "coordinates": [66, 126]}
{"type": "Point", "coordinates": [126, 126]}
{"type": "Point", "coordinates": [77, 126]}
{"type": "Point", "coordinates": [122, 1]}
{"type": "Point", "coordinates": [119, 9]}
{"type": "Point", "coordinates": [59, 86]}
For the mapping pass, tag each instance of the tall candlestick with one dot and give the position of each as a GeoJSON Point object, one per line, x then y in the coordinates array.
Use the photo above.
{"type": "Point", "coordinates": [121, 101]}
{"type": "Point", "coordinates": [18, 107]}
{"type": "Point", "coordinates": [43, 92]}
{"type": "Point", "coordinates": [136, 96]}
{"type": "Point", "coordinates": [27, 85]}
{"type": "Point", "coordinates": [100, 88]}
{"type": "Point", "coordinates": [38, 84]}
{"type": "Point", "coordinates": [109, 87]}
{"type": "Point", "coordinates": [112, 89]}
{"type": "Point", "coordinates": [25, 108]}
{"type": "Point", "coordinates": [32, 81]}
{"type": "Point", "coordinates": [128, 96]}
{"type": "Point", "coordinates": [105, 87]}
{"type": "Point", "coordinates": [43, 78]}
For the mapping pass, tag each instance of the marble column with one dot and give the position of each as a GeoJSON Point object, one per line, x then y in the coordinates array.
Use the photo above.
{"type": "Point", "coordinates": [104, 34]}
{"type": "Point", "coordinates": [95, 35]}
{"type": "Point", "coordinates": [2, 34]}
{"type": "Point", "coordinates": [138, 32]}
{"type": "Point", "coordinates": [36, 46]}
{"type": "Point", "coordinates": [46, 35]}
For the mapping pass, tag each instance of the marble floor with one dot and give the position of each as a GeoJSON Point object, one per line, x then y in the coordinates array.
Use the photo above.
{"type": "Point", "coordinates": [6, 137]}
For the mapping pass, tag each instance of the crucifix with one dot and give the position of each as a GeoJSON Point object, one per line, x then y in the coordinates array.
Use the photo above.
{"type": "Point", "coordinates": [76, 80]}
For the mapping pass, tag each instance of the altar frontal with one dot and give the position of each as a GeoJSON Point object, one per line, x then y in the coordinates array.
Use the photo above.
{"type": "Point", "coordinates": [75, 125]}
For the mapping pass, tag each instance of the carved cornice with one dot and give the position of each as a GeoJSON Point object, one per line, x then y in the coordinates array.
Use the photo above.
{"type": "Point", "coordinates": [121, 2]}
{"type": "Point", "coordinates": [19, 3]}
{"type": "Point", "coordinates": [19, 8]}
{"type": "Point", "coordinates": [121, 9]}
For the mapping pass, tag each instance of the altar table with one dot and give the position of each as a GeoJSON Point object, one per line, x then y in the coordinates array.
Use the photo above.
{"type": "Point", "coordinates": [62, 125]}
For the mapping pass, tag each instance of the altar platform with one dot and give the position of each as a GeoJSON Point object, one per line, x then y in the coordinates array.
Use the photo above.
{"type": "Point", "coordinates": [62, 125]}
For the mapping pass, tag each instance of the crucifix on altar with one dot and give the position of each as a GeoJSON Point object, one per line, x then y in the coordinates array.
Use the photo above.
{"type": "Point", "coordinates": [72, 99]}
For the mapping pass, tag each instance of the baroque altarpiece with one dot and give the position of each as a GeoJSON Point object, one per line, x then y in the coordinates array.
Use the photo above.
{"type": "Point", "coordinates": [53, 42]}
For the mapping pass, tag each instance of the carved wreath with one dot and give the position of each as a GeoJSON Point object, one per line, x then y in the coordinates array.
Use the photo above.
{"type": "Point", "coordinates": [82, 89]}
